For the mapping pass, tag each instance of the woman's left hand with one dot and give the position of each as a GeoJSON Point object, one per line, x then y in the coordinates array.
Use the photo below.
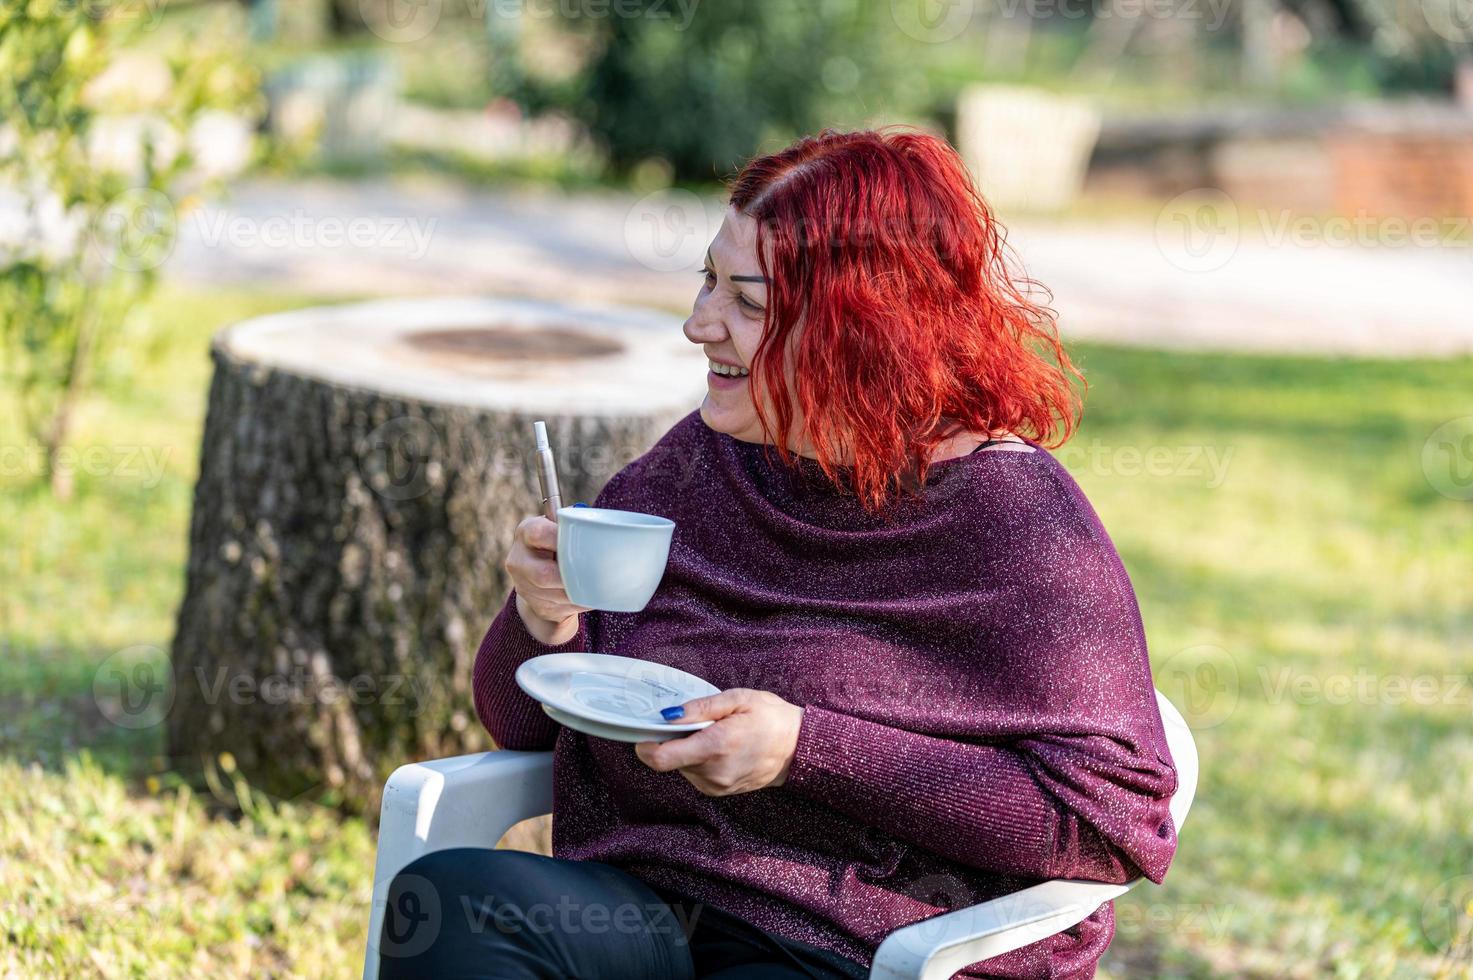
{"type": "Point", "coordinates": [749, 747]}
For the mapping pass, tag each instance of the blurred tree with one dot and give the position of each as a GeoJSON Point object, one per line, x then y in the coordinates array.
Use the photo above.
{"type": "Point", "coordinates": [94, 195]}
{"type": "Point", "coordinates": [1417, 46]}
{"type": "Point", "coordinates": [1345, 16]}
{"type": "Point", "coordinates": [1256, 18]}
{"type": "Point", "coordinates": [706, 93]}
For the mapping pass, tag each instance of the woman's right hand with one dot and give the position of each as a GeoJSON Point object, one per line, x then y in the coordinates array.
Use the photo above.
{"type": "Point", "coordinates": [542, 602]}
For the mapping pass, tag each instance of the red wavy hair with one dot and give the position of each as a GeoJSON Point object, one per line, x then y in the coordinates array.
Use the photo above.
{"type": "Point", "coordinates": [884, 252]}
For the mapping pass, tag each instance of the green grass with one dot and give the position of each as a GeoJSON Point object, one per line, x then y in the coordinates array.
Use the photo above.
{"type": "Point", "coordinates": [102, 879]}
{"type": "Point", "coordinates": [1327, 817]}
{"type": "Point", "coordinates": [1317, 551]}
{"type": "Point", "coordinates": [108, 865]}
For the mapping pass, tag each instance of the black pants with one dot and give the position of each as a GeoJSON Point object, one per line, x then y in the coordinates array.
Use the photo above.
{"type": "Point", "coordinates": [506, 915]}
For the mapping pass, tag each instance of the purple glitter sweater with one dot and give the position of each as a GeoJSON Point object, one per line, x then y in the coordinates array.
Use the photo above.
{"type": "Point", "coordinates": [978, 706]}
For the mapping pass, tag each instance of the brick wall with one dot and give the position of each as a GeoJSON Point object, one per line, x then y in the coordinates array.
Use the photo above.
{"type": "Point", "coordinates": [1404, 159]}
{"type": "Point", "coordinates": [1412, 173]}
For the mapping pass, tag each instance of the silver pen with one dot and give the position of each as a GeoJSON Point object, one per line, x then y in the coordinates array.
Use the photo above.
{"type": "Point", "coordinates": [552, 498]}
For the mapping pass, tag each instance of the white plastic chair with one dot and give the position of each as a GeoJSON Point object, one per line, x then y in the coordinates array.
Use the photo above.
{"type": "Point", "coordinates": [471, 801]}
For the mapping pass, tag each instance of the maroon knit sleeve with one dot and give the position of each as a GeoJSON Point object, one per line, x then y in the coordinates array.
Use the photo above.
{"type": "Point", "coordinates": [1054, 763]}
{"type": "Point", "coordinates": [513, 718]}
{"type": "Point", "coordinates": [980, 805]}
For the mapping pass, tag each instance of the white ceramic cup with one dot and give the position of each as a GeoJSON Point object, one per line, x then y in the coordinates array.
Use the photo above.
{"type": "Point", "coordinates": [611, 559]}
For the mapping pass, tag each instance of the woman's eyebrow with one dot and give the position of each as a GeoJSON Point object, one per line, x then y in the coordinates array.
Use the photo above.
{"type": "Point", "coordinates": [735, 278]}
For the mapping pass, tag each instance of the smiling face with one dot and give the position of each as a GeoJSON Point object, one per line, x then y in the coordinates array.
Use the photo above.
{"type": "Point", "coordinates": [727, 322]}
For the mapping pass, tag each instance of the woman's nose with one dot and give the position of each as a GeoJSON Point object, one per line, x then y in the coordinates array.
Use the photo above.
{"type": "Point", "coordinates": [702, 327]}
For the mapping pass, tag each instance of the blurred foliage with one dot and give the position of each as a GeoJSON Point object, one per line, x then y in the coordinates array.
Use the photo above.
{"type": "Point", "coordinates": [740, 77]}
{"type": "Point", "coordinates": [98, 156]}
{"type": "Point", "coordinates": [743, 77]}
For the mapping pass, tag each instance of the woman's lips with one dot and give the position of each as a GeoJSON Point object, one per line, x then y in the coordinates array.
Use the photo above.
{"type": "Point", "coordinates": [723, 381]}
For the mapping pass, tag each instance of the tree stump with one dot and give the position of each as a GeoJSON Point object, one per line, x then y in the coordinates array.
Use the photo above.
{"type": "Point", "coordinates": [362, 470]}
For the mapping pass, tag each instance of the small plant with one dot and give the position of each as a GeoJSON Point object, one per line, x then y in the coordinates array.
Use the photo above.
{"type": "Point", "coordinates": [101, 147]}
{"type": "Point", "coordinates": [704, 94]}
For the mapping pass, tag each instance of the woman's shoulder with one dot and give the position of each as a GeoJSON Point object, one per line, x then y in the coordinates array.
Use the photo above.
{"type": "Point", "coordinates": [1016, 461]}
{"type": "Point", "coordinates": [1023, 489]}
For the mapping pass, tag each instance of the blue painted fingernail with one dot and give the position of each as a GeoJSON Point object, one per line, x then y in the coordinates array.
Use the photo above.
{"type": "Point", "coordinates": [672, 712]}
{"type": "Point", "coordinates": [580, 504]}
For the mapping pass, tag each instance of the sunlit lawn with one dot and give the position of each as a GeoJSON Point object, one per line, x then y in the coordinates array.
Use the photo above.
{"type": "Point", "coordinates": [107, 866]}
{"type": "Point", "coordinates": [1293, 562]}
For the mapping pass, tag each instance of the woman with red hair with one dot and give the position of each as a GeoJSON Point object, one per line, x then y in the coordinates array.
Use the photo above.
{"type": "Point", "coordinates": [934, 681]}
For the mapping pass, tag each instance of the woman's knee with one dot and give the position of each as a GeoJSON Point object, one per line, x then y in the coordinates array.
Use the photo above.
{"type": "Point", "coordinates": [456, 911]}
{"type": "Point", "coordinates": [452, 895]}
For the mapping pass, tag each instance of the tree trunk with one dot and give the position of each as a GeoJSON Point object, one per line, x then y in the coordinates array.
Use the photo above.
{"type": "Point", "coordinates": [362, 470]}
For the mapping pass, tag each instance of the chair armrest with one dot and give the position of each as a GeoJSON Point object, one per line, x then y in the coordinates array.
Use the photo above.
{"type": "Point", "coordinates": [935, 948]}
{"type": "Point", "coordinates": [463, 801]}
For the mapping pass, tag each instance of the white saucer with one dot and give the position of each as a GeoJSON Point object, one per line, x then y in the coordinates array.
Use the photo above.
{"type": "Point", "coordinates": [617, 692]}
{"type": "Point", "coordinates": [614, 732]}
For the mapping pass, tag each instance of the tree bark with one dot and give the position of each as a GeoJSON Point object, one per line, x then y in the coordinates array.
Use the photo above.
{"type": "Point", "coordinates": [361, 473]}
